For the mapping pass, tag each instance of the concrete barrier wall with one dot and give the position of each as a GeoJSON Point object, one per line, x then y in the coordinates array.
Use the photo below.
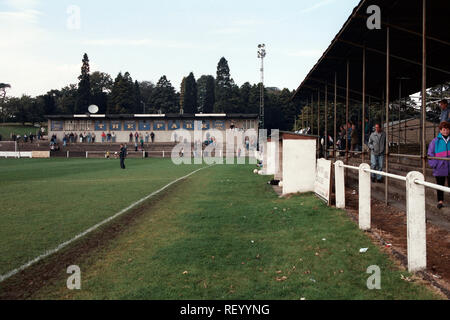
{"type": "Point", "coordinates": [41, 154]}
{"type": "Point", "coordinates": [16, 155]}
{"type": "Point", "coordinates": [299, 166]}
{"type": "Point", "coordinates": [271, 159]}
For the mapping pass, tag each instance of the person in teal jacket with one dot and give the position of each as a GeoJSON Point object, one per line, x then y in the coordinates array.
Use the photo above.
{"type": "Point", "coordinates": [440, 148]}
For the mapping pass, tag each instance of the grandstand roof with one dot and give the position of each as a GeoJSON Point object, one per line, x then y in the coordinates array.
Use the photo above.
{"type": "Point", "coordinates": [404, 19]}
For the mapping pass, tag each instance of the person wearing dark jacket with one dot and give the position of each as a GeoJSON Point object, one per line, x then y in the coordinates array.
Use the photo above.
{"type": "Point", "coordinates": [354, 139]}
{"type": "Point", "coordinates": [440, 148]}
{"type": "Point", "coordinates": [377, 146]}
{"type": "Point", "coordinates": [122, 155]}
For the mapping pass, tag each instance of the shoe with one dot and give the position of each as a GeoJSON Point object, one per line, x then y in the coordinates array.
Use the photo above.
{"type": "Point", "coordinates": [440, 206]}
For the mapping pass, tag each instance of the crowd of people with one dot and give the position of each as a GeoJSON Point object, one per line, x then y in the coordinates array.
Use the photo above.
{"type": "Point", "coordinates": [25, 138]}
{"type": "Point", "coordinates": [110, 137]}
{"type": "Point", "coordinates": [138, 137]}
{"type": "Point", "coordinates": [89, 137]}
{"type": "Point", "coordinates": [438, 149]}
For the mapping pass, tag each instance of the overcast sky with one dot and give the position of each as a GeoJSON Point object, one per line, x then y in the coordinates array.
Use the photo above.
{"type": "Point", "coordinates": [43, 41]}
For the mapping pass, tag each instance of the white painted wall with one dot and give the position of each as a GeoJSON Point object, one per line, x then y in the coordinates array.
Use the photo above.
{"type": "Point", "coordinates": [299, 166]}
{"type": "Point", "coordinates": [16, 154]}
{"type": "Point", "coordinates": [271, 153]}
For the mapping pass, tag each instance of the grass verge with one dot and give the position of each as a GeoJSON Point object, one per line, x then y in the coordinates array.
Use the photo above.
{"type": "Point", "coordinates": [223, 234]}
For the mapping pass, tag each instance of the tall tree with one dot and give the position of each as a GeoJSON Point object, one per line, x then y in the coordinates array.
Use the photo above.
{"type": "Point", "coordinates": [4, 111]}
{"type": "Point", "coordinates": [164, 98]}
{"type": "Point", "coordinates": [3, 87]}
{"type": "Point", "coordinates": [223, 88]}
{"type": "Point", "coordinates": [101, 85]}
{"type": "Point", "coordinates": [146, 88]}
{"type": "Point", "coordinates": [206, 94]}
{"type": "Point", "coordinates": [48, 102]}
{"type": "Point", "coordinates": [22, 108]}
{"type": "Point", "coordinates": [190, 95]}
{"type": "Point", "coordinates": [182, 94]}
{"type": "Point", "coordinates": [122, 100]}
{"type": "Point", "coordinates": [137, 98]}
{"type": "Point", "coordinates": [84, 87]}
{"type": "Point", "coordinates": [66, 99]}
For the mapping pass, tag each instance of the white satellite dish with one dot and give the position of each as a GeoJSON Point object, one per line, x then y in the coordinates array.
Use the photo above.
{"type": "Point", "coordinates": [93, 109]}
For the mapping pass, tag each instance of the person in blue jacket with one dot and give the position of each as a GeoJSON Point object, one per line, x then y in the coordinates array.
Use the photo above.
{"type": "Point", "coordinates": [440, 148]}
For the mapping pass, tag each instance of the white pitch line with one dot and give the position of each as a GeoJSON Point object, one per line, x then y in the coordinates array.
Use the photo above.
{"type": "Point", "coordinates": [65, 244]}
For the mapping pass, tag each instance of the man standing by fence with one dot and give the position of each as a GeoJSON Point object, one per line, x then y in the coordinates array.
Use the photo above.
{"type": "Point", "coordinates": [445, 111]}
{"type": "Point", "coordinates": [122, 155]}
{"type": "Point", "coordinates": [377, 146]}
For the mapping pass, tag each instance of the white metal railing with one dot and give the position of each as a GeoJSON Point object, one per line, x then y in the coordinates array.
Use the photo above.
{"type": "Point", "coordinates": [415, 206]}
{"type": "Point", "coordinates": [381, 173]}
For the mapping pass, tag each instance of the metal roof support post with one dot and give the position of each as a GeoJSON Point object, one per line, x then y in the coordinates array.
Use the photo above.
{"type": "Point", "coordinates": [424, 83]}
{"type": "Point", "coordinates": [318, 117]}
{"type": "Point", "coordinates": [363, 105]}
{"type": "Point", "coordinates": [312, 114]}
{"type": "Point", "coordinates": [335, 107]}
{"type": "Point", "coordinates": [399, 114]}
{"type": "Point", "coordinates": [326, 122]}
{"type": "Point", "coordinates": [388, 78]}
{"type": "Point", "coordinates": [303, 120]}
{"type": "Point", "coordinates": [347, 97]}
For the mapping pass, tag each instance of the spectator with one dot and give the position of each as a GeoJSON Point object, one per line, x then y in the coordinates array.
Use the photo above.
{"type": "Point", "coordinates": [25, 138]}
{"type": "Point", "coordinates": [441, 168]}
{"type": "Point", "coordinates": [349, 133]}
{"type": "Point", "coordinates": [377, 145]}
{"type": "Point", "coordinates": [367, 131]}
{"type": "Point", "coordinates": [108, 137]}
{"type": "Point", "coordinates": [135, 146]}
{"type": "Point", "coordinates": [113, 137]}
{"type": "Point", "coordinates": [147, 137]}
{"type": "Point", "coordinates": [93, 137]}
{"type": "Point", "coordinates": [152, 136]}
{"type": "Point", "coordinates": [65, 141]}
{"type": "Point", "coordinates": [81, 138]}
{"type": "Point", "coordinates": [445, 111]}
{"type": "Point", "coordinates": [136, 137]}
{"type": "Point", "coordinates": [122, 155]}
{"type": "Point", "coordinates": [341, 143]}
{"type": "Point", "coordinates": [354, 139]}
{"type": "Point", "coordinates": [142, 143]}
{"type": "Point", "coordinates": [103, 136]}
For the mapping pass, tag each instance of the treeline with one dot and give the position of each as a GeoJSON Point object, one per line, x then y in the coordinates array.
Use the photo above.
{"type": "Point", "coordinates": [123, 95]}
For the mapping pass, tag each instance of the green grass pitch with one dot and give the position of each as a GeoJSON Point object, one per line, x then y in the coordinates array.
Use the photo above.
{"type": "Point", "coordinates": [220, 234]}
